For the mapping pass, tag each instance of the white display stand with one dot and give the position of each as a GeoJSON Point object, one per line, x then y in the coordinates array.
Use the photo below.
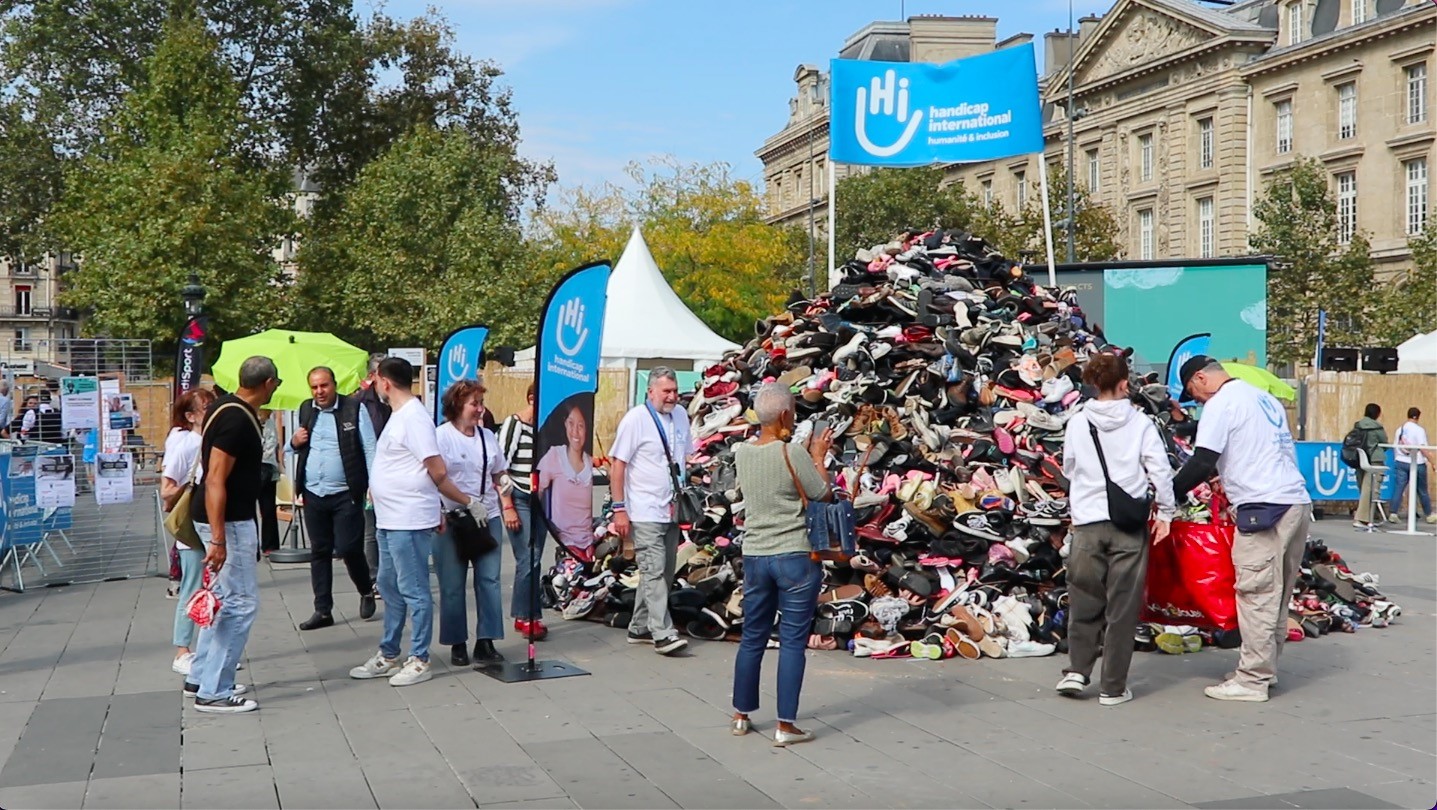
{"type": "Point", "coordinates": [1412, 451]}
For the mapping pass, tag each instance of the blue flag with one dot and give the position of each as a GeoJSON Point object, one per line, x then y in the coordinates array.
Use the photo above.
{"type": "Point", "coordinates": [566, 362]}
{"type": "Point", "coordinates": [459, 359]}
{"type": "Point", "coordinates": [914, 114]}
{"type": "Point", "coordinates": [1187, 348]}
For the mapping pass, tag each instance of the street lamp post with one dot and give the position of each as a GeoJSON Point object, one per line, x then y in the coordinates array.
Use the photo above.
{"type": "Point", "coordinates": [194, 296]}
{"type": "Point", "coordinates": [1072, 194]}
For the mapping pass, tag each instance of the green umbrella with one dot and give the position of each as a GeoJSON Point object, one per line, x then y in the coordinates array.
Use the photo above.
{"type": "Point", "coordinates": [1261, 378]}
{"type": "Point", "coordinates": [294, 354]}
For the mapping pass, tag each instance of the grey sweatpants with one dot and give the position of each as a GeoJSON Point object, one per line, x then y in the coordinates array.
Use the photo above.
{"type": "Point", "coordinates": [656, 547]}
{"type": "Point", "coordinates": [1267, 566]}
{"type": "Point", "coordinates": [1106, 571]}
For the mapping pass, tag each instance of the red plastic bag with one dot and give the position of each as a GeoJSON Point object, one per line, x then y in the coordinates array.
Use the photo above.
{"type": "Point", "coordinates": [1191, 579]}
{"type": "Point", "coordinates": [204, 605]}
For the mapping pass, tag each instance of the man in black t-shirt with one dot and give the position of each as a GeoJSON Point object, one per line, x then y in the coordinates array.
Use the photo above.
{"type": "Point", "coordinates": [223, 508]}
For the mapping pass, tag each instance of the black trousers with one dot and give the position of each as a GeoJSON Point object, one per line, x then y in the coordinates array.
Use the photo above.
{"type": "Point", "coordinates": [268, 516]}
{"type": "Point", "coordinates": [336, 526]}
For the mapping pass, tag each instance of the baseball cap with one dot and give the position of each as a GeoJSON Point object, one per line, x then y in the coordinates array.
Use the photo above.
{"type": "Point", "coordinates": [1194, 364]}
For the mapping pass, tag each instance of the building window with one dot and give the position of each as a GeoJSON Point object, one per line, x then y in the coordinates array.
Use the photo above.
{"type": "Point", "coordinates": [23, 299]}
{"type": "Point", "coordinates": [1204, 143]}
{"type": "Point", "coordinates": [1022, 180]}
{"type": "Point", "coordinates": [1284, 126]}
{"type": "Point", "coordinates": [1359, 11]}
{"type": "Point", "coordinates": [1294, 22]}
{"type": "Point", "coordinates": [1416, 93]}
{"type": "Point", "coordinates": [1346, 207]}
{"type": "Point", "coordinates": [1093, 174]}
{"type": "Point", "coordinates": [1145, 234]}
{"type": "Point", "coordinates": [987, 193]}
{"type": "Point", "coordinates": [1416, 171]}
{"type": "Point", "coordinates": [1205, 229]}
{"type": "Point", "coordinates": [1347, 110]}
{"type": "Point", "coordinates": [1145, 157]}
{"type": "Point", "coordinates": [22, 340]}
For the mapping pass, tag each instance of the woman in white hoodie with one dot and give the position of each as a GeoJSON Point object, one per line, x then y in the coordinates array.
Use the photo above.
{"type": "Point", "coordinates": [1106, 564]}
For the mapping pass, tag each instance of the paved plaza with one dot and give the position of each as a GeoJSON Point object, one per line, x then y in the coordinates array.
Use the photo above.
{"type": "Point", "coordinates": [91, 716]}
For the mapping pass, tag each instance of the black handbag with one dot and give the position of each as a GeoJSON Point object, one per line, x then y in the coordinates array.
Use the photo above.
{"type": "Point", "coordinates": [688, 501]}
{"type": "Point", "coordinates": [1127, 513]}
{"type": "Point", "coordinates": [472, 538]}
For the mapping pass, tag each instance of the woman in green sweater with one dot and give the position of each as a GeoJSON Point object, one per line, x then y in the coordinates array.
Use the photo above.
{"type": "Point", "coordinates": [779, 572]}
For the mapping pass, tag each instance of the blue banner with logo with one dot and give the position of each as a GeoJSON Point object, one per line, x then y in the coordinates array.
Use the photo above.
{"type": "Point", "coordinates": [1327, 478]}
{"type": "Point", "coordinates": [459, 359]}
{"type": "Point", "coordinates": [566, 364]}
{"type": "Point", "coordinates": [914, 114]}
{"type": "Point", "coordinates": [23, 522]}
{"type": "Point", "coordinates": [1186, 349]}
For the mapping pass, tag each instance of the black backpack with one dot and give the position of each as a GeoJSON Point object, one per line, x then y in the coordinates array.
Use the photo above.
{"type": "Point", "coordinates": [1352, 443]}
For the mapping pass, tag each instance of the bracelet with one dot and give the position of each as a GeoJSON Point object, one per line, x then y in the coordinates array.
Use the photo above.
{"type": "Point", "coordinates": [617, 504]}
{"type": "Point", "coordinates": [510, 508]}
{"type": "Point", "coordinates": [217, 543]}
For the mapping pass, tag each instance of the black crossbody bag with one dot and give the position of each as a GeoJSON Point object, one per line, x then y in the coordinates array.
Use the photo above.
{"type": "Point", "coordinates": [472, 539]}
{"type": "Point", "coordinates": [1127, 513]}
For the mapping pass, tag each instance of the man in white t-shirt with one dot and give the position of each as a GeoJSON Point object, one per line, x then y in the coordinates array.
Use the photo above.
{"type": "Point", "coordinates": [651, 441]}
{"type": "Point", "coordinates": [1410, 434]}
{"type": "Point", "coordinates": [405, 482]}
{"type": "Point", "coordinates": [1244, 436]}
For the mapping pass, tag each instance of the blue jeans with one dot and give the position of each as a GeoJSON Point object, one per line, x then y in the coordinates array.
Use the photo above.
{"type": "Point", "coordinates": [217, 653]}
{"type": "Point", "coordinates": [787, 583]}
{"type": "Point", "coordinates": [528, 547]}
{"type": "Point", "coordinates": [192, 565]}
{"type": "Point", "coordinates": [404, 587]}
{"type": "Point", "coordinates": [1400, 477]}
{"type": "Point", "coordinates": [488, 597]}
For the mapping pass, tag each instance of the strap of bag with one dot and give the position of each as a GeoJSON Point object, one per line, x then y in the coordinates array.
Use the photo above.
{"type": "Point", "coordinates": [484, 455]}
{"type": "Point", "coordinates": [194, 468]}
{"type": "Point", "coordinates": [802, 496]}
{"type": "Point", "coordinates": [664, 441]}
{"type": "Point", "coordinates": [1093, 429]}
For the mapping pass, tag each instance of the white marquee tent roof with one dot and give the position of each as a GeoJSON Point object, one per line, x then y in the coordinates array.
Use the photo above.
{"type": "Point", "coordinates": [1418, 355]}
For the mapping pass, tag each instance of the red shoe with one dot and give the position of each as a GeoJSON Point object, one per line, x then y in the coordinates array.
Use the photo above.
{"type": "Point", "coordinates": [521, 626]}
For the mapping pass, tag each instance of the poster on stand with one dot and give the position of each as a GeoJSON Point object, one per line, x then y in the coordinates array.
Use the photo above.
{"type": "Point", "coordinates": [122, 412]}
{"type": "Point", "coordinates": [55, 482]}
{"type": "Point", "coordinates": [111, 439]}
{"type": "Point", "coordinates": [79, 403]}
{"type": "Point", "coordinates": [114, 478]}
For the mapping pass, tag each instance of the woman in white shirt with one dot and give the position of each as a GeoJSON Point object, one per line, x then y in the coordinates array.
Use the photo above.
{"type": "Point", "coordinates": [476, 465]}
{"type": "Point", "coordinates": [182, 448]}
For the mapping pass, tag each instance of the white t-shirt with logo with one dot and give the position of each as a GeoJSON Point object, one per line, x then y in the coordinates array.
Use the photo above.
{"type": "Point", "coordinates": [405, 497]}
{"type": "Point", "coordinates": [464, 456]}
{"type": "Point", "coordinates": [1257, 458]}
{"type": "Point", "coordinates": [1410, 433]}
{"type": "Point", "coordinates": [648, 486]}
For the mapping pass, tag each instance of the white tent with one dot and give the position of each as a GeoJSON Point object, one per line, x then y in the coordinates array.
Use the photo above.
{"type": "Point", "coordinates": [1418, 355]}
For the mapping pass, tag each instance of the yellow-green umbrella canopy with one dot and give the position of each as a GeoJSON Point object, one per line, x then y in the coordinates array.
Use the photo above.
{"type": "Point", "coordinates": [295, 354]}
{"type": "Point", "coordinates": [1261, 378]}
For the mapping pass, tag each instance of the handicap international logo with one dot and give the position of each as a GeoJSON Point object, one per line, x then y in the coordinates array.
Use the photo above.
{"type": "Point", "coordinates": [1271, 410]}
{"type": "Point", "coordinates": [1327, 465]}
{"type": "Point", "coordinates": [457, 362]}
{"type": "Point", "coordinates": [570, 327]}
{"type": "Point", "coordinates": [879, 99]}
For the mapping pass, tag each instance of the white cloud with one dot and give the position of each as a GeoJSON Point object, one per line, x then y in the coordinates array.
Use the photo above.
{"type": "Point", "coordinates": [512, 47]}
{"type": "Point", "coordinates": [1255, 315]}
{"type": "Point", "coordinates": [1142, 278]}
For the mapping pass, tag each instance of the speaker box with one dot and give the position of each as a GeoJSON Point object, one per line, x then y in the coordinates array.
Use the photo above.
{"type": "Point", "coordinates": [1339, 359]}
{"type": "Point", "coordinates": [1383, 360]}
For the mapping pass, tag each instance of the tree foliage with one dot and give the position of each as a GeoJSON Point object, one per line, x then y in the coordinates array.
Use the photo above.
{"type": "Point", "coordinates": [705, 229]}
{"type": "Point", "coordinates": [1407, 305]}
{"type": "Point", "coordinates": [1298, 225]}
{"type": "Point", "coordinates": [164, 193]}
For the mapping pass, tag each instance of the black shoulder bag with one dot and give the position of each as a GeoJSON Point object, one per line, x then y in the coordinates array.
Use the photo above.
{"type": "Point", "coordinates": [688, 501]}
{"type": "Point", "coordinates": [472, 538]}
{"type": "Point", "coordinates": [1129, 514]}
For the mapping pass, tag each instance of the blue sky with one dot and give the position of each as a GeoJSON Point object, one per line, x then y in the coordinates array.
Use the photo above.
{"type": "Point", "coordinates": [599, 83]}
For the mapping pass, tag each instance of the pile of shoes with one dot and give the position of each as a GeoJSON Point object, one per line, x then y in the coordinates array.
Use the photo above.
{"type": "Point", "coordinates": [947, 376]}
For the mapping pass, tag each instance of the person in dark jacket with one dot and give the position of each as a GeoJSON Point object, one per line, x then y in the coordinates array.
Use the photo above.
{"type": "Point", "coordinates": [1373, 435]}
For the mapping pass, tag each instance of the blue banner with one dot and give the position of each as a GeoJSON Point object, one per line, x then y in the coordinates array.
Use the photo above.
{"type": "Point", "coordinates": [914, 114]}
{"type": "Point", "coordinates": [459, 359]}
{"type": "Point", "coordinates": [1327, 478]}
{"type": "Point", "coordinates": [1186, 349]}
{"type": "Point", "coordinates": [566, 363]}
{"type": "Point", "coordinates": [23, 522]}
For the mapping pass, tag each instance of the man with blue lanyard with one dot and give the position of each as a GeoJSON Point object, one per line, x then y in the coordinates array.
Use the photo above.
{"type": "Point", "coordinates": [651, 446]}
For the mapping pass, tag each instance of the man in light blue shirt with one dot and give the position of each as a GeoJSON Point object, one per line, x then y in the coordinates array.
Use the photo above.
{"type": "Point", "coordinates": [335, 446]}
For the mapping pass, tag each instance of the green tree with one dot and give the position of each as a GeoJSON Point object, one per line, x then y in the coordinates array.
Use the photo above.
{"type": "Point", "coordinates": [164, 194]}
{"type": "Point", "coordinates": [875, 206]}
{"type": "Point", "coordinates": [1407, 305]}
{"type": "Point", "coordinates": [1095, 234]}
{"type": "Point", "coordinates": [1298, 226]}
{"type": "Point", "coordinates": [706, 231]}
{"type": "Point", "coordinates": [426, 240]}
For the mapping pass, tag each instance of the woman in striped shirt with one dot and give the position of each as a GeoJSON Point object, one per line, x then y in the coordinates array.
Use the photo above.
{"type": "Point", "coordinates": [516, 436]}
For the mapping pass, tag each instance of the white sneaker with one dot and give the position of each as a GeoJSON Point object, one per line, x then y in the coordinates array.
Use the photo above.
{"type": "Point", "coordinates": [376, 667]}
{"type": "Point", "coordinates": [1029, 649]}
{"type": "Point", "coordinates": [183, 663]}
{"type": "Point", "coordinates": [414, 671]}
{"type": "Point", "coordinates": [1072, 684]}
{"type": "Point", "coordinates": [1115, 700]}
{"type": "Point", "coordinates": [1232, 690]}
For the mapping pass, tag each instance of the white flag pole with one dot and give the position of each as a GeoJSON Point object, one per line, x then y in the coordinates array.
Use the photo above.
{"type": "Point", "coordinates": [832, 207]}
{"type": "Point", "coordinates": [1048, 222]}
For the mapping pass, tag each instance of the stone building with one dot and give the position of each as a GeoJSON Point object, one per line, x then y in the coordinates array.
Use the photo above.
{"type": "Point", "coordinates": [33, 326]}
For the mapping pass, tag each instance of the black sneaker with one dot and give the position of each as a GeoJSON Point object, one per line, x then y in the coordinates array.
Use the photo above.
{"type": "Point", "coordinates": [459, 655]}
{"type": "Point", "coordinates": [229, 705]}
{"type": "Point", "coordinates": [669, 646]}
{"type": "Point", "coordinates": [485, 655]}
{"type": "Point", "coordinates": [317, 621]}
{"type": "Point", "coordinates": [366, 606]}
{"type": "Point", "coordinates": [641, 637]}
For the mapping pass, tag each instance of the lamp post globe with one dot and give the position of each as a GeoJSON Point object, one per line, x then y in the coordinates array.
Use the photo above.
{"type": "Point", "coordinates": [193, 295]}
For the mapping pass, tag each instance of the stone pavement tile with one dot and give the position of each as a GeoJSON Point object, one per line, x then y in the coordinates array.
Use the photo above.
{"type": "Point", "coordinates": [236, 788]}
{"type": "Point", "coordinates": [531, 716]}
{"type": "Point", "coordinates": [1279, 763]}
{"type": "Point", "coordinates": [684, 773]}
{"type": "Point", "coordinates": [1249, 803]}
{"type": "Point", "coordinates": [302, 785]}
{"type": "Point", "coordinates": [1413, 792]}
{"type": "Point", "coordinates": [312, 761]}
{"type": "Point", "coordinates": [790, 781]}
{"type": "Point", "coordinates": [679, 708]}
{"type": "Point", "coordinates": [492, 766]}
{"type": "Point", "coordinates": [154, 791]}
{"type": "Point", "coordinates": [1085, 780]}
{"type": "Point", "coordinates": [348, 695]}
{"type": "Point", "coordinates": [13, 717]}
{"type": "Point", "coordinates": [593, 776]}
{"type": "Point", "coordinates": [532, 804]}
{"type": "Point", "coordinates": [27, 664]}
{"type": "Point", "coordinates": [218, 741]}
{"type": "Point", "coordinates": [603, 714]}
{"type": "Point", "coordinates": [141, 735]}
{"type": "Point", "coordinates": [1152, 767]}
{"type": "Point", "coordinates": [58, 744]}
{"type": "Point", "coordinates": [398, 757]}
{"type": "Point", "coordinates": [51, 796]}
{"type": "Point", "coordinates": [1329, 799]}
{"type": "Point", "coordinates": [90, 663]}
